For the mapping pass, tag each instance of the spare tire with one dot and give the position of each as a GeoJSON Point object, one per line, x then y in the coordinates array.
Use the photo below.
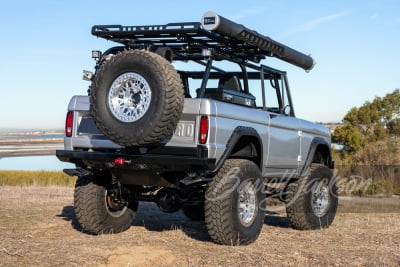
{"type": "Point", "coordinates": [136, 98]}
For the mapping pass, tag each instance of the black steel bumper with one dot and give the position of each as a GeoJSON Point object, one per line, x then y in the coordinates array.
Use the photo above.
{"type": "Point", "coordinates": [164, 158]}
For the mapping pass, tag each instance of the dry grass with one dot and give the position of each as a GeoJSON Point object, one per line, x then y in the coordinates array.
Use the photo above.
{"type": "Point", "coordinates": [38, 228]}
{"type": "Point", "coordinates": [37, 178]}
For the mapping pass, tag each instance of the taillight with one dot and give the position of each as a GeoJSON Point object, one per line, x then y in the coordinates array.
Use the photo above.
{"type": "Point", "coordinates": [69, 122]}
{"type": "Point", "coordinates": [203, 133]}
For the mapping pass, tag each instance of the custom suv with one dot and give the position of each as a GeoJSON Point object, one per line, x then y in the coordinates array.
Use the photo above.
{"type": "Point", "coordinates": [186, 116]}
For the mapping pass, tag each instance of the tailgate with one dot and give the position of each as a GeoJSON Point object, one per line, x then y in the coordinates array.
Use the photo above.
{"type": "Point", "coordinates": [85, 134]}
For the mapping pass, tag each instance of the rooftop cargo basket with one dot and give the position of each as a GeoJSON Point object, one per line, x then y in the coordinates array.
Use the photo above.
{"type": "Point", "coordinates": [189, 40]}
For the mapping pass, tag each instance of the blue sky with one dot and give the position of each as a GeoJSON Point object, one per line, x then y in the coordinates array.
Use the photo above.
{"type": "Point", "coordinates": [46, 44]}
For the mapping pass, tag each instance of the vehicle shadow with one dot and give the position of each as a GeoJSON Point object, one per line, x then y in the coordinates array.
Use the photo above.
{"type": "Point", "coordinates": [152, 219]}
{"type": "Point", "coordinates": [277, 221]}
{"type": "Point", "coordinates": [68, 214]}
{"type": "Point", "coordinates": [276, 218]}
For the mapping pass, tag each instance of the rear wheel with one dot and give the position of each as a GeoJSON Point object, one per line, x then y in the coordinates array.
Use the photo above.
{"type": "Point", "coordinates": [136, 98]}
{"type": "Point", "coordinates": [234, 211]}
{"type": "Point", "coordinates": [97, 209]}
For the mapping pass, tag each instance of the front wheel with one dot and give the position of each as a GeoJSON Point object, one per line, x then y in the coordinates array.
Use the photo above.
{"type": "Point", "coordinates": [97, 211]}
{"type": "Point", "coordinates": [312, 201]}
{"type": "Point", "coordinates": [234, 210]}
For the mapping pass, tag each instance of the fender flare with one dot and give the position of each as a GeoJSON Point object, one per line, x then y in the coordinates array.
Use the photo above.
{"type": "Point", "coordinates": [311, 152]}
{"type": "Point", "coordinates": [238, 133]}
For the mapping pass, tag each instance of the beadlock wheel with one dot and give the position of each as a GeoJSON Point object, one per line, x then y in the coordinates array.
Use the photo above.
{"type": "Point", "coordinates": [129, 97]}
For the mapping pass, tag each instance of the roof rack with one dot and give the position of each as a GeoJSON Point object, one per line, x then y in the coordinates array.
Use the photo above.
{"type": "Point", "coordinates": [188, 40]}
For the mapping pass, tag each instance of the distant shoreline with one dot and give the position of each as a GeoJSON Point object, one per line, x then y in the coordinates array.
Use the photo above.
{"type": "Point", "coordinates": [30, 147]}
{"type": "Point", "coordinates": [27, 135]}
{"type": "Point", "coordinates": [23, 142]}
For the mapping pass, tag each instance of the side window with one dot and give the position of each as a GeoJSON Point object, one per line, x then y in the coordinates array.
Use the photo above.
{"type": "Point", "coordinates": [255, 89]}
{"type": "Point", "coordinates": [276, 96]}
{"type": "Point", "coordinates": [272, 95]}
{"type": "Point", "coordinates": [195, 84]}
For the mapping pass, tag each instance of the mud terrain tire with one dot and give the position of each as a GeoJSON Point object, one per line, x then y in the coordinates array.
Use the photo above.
{"type": "Point", "coordinates": [312, 201]}
{"type": "Point", "coordinates": [234, 210]}
{"type": "Point", "coordinates": [94, 214]}
{"type": "Point", "coordinates": [136, 98]}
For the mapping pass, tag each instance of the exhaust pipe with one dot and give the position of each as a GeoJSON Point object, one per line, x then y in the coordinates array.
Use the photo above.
{"type": "Point", "coordinates": [211, 21]}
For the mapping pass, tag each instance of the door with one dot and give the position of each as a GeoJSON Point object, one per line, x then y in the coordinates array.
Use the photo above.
{"type": "Point", "coordinates": [284, 145]}
{"type": "Point", "coordinates": [284, 135]}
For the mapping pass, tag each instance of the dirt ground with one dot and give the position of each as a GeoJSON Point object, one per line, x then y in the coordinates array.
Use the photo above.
{"type": "Point", "coordinates": [38, 228]}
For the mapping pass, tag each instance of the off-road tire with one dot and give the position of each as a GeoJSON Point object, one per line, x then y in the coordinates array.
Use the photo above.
{"type": "Point", "coordinates": [223, 218]}
{"type": "Point", "coordinates": [306, 207]}
{"type": "Point", "coordinates": [158, 117]}
{"type": "Point", "coordinates": [194, 212]}
{"type": "Point", "coordinates": [92, 212]}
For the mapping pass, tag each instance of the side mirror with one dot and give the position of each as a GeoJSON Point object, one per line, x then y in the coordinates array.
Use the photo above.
{"type": "Point", "coordinates": [287, 110]}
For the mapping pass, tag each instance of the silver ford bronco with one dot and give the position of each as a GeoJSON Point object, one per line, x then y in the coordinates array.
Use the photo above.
{"type": "Point", "coordinates": [185, 115]}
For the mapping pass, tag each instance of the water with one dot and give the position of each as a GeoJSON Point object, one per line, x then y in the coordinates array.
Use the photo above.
{"type": "Point", "coordinates": [31, 162]}
{"type": "Point", "coordinates": [22, 137]}
{"type": "Point", "coordinates": [34, 163]}
{"type": "Point", "coordinates": [27, 148]}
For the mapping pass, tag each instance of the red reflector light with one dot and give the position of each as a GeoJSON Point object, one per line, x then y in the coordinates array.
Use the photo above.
{"type": "Point", "coordinates": [119, 161]}
{"type": "Point", "coordinates": [69, 122]}
{"type": "Point", "coordinates": [203, 133]}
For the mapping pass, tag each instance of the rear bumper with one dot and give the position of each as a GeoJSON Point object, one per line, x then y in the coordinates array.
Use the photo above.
{"type": "Point", "coordinates": [160, 159]}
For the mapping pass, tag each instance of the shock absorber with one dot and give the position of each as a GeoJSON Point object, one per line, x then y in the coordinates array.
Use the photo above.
{"type": "Point", "coordinates": [115, 192]}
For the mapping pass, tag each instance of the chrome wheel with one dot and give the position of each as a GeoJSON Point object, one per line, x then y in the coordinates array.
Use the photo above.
{"type": "Point", "coordinates": [247, 204]}
{"type": "Point", "coordinates": [129, 97]}
{"type": "Point", "coordinates": [320, 199]}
